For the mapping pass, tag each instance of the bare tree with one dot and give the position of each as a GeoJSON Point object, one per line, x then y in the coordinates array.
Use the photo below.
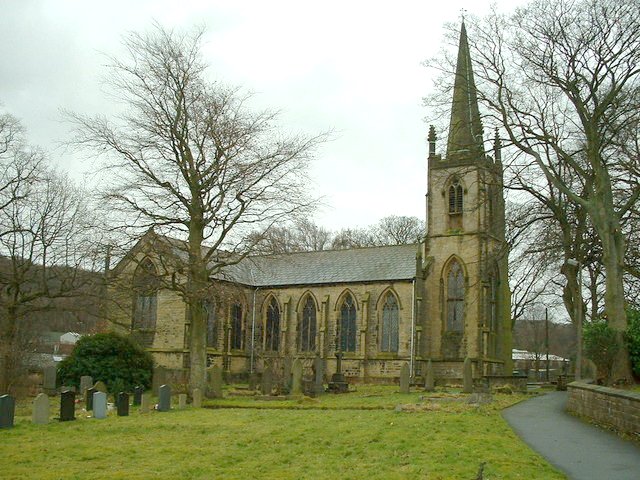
{"type": "Point", "coordinates": [190, 159]}
{"type": "Point", "coordinates": [398, 230]}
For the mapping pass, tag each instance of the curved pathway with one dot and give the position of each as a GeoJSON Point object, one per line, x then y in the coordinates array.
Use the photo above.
{"type": "Point", "coordinates": [582, 451]}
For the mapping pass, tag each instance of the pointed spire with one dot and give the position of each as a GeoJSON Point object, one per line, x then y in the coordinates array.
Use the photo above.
{"type": "Point", "coordinates": [432, 140]}
{"type": "Point", "coordinates": [497, 146]}
{"type": "Point", "coordinates": [465, 130]}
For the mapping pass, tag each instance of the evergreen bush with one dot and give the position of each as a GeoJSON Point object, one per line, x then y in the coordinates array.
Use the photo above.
{"type": "Point", "coordinates": [633, 339]}
{"type": "Point", "coordinates": [601, 346]}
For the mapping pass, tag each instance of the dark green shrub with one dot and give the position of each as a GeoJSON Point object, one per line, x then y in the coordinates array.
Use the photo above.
{"type": "Point", "coordinates": [601, 346]}
{"type": "Point", "coordinates": [632, 337]}
{"type": "Point", "coordinates": [115, 359]}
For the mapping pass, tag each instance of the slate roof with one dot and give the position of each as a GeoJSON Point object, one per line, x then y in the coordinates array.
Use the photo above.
{"type": "Point", "coordinates": [370, 264]}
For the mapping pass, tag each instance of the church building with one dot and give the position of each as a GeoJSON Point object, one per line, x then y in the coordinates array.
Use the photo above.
{"type": "Point", "coordinates": [444, 299]}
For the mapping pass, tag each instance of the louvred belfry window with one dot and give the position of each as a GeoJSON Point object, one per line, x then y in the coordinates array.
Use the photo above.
{"type": "Point", "coordinates": [455, 198]}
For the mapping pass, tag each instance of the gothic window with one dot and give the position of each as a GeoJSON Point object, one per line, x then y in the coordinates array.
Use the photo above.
{"type": "Point", "coordinates": [236, 326]}
{"type": "Point", "coordinates": [455, 298]}
{"type": "Point", "coordinates": [307, 334]}
{"type": "Point", "coordinates": [212, 328]}
{"type": "Point", "coordinates": [145, 302]}
{"type": "Point", "coordinates": [493, 315]}
{"type": "Point", "coordinates": [455, 198]}
{"type": "Point", "coordinates": [348, 325]}
{"type": "Point", "coordinates": [390, 330]}
{"type": "Point", "coordinates": [272, 333]}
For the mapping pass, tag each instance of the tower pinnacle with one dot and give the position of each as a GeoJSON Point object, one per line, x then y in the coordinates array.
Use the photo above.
{"type": "Point", "coordinates": [465, 129]}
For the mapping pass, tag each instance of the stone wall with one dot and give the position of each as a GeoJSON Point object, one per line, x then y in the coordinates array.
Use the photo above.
{"type": "Point", "coordinates": [619, 409]}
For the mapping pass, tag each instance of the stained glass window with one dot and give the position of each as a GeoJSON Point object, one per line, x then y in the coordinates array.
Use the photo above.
{"type": "Point", "coordinates": [390, 330]}
{"type": "Point", "coordinates": [348, 325]}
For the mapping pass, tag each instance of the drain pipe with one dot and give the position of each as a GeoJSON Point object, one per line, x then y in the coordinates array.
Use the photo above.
{"type": "Point", "coordinates": [253, 329]}
{"type": "Point", "coordinates": [413, 326]}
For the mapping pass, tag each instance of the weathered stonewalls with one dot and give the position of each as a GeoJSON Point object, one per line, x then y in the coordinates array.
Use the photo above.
{"type": "Point", "coordinates": [619, 409]}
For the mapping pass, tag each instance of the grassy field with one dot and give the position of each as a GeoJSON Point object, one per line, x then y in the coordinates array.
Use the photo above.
{"type": "Point", "coordinates": [354, 436]}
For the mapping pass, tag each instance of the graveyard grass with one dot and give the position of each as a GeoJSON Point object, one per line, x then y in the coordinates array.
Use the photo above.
{"type": "Point", "coordinates": [353, 436]}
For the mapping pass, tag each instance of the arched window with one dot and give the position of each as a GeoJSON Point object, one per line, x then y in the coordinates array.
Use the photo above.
{"type": "Point", "coordinates": [236, 326]}
{"type": "Point", "coordinates": [493, 315]}
{"type": "Point", "coordinates": [272, 333]}
{"type": "Point", "coordinates": [212, 327]}
{"type": "Point", "coordinates": [348, 325]}
{"type": "Point", "coordinates": [455, 198]}
{"type": "Point", "coordinates": [145, 304]}
{"type": "Point", "coordinates": [455, 298]}
{"type": "Point", "coordinates": [307, 334]}
{"type": "Point", "coordinates": [390, 331]}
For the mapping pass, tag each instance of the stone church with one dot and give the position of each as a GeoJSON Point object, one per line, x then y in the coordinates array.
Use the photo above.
{"type": "Point", "coordinates": [444, 299]}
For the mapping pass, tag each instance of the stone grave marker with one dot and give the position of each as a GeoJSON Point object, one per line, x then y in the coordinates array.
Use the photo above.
{"type": "Point", "coordinates": [88, 398]}
{"type": "Point", "coordinates": [286, 378]}
{"type": "Point", "coordinates": [253, 381]}
{"type": "Point", "coordinates": [99, 405]}
{"type": "Point", "coordinates": [267, 381]}
{"type": "Point", "coordinates": [86, 382]}
{"type": "Point", "coordinates": [404, 378]}
{"type": "Point", "coordinates": [137, 395]}
{"type": "Point", "coordinates": [100, 386]}
{"type": "Point", "coordinates": [214, 375]}
{"type": "Point", "coordinates": [296, 384]}
{"type": "Point", "coordinates": [429, 378]}
{"type": "Point", "coordinates": [467, 376]}
{"type": "Point", "coordinates": [7, 411]}
{"type": "Point", "coordinates": [318, 368]}
{"type": "Point", "coordinates": [164, 398]}
{"type": "Point", "coordinates": [145, 403]}
{"type": "Point", "coordinates": [40, 414]}
{"type": "Point", "coordinates": [159, 378]}
{"type": "Point", "coordinates": [182, 401]}
{"type": "Point", "coordinates": [67, 406]}
{"type": "Point", "coordinates": [197, 398]}
{"type": "Point", "coordinates": [122, 404]}
{"type": "Point", "coordinates": [49, 379]}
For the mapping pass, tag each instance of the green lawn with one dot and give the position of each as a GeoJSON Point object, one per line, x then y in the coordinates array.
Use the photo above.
{"type": "Point", "coordinates": [333, 437]}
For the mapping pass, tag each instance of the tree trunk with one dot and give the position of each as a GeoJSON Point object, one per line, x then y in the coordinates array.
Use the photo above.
{"type": "Point", "coordinates": [196, 291]}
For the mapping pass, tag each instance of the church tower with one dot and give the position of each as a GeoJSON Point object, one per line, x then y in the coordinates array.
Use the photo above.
{"type": "Point", "coordinates": [466, 299]}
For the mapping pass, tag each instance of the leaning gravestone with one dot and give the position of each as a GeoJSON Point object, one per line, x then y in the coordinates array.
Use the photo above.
{"type": "Point", "coordinates": [137, 395]}
{"type": "Point", "coordinates": [49, 380]}
{"type": "Point", "coordinates": [467, 376]}
{"type": "Point", "coordinates": [88, 398]}
{"type": "Point", "coordinates": [214, 375]}
{"type": "Point", "coordinates": [404, 378]}
{"type": "Point", "coordinates": [318, 368]}
{"type": "Point", "coordinates": [145, 403]}
{"type": "Point", "coordinates": [40, 414]}
{"type": "Point", "coordinates": [86, 382]}
{"type": "Point", "coordinates": [7, 411]}
{"type": "Point", "coordinates": [100, 386]}
{"type": "Point", "coordinates": [267, 381]}
{"type": "Point", "coordinates": [99, 405]}
{"type": "Point", "coordinates": [182, 401]}
{"type": "Point", "coordinates": [296, 384]}
{"type": "Point", "coordinates": [122, 404]}
{"type": "Point", "coordinates": [197, 398]}
{"type": "Point", "coordinates": [429, 379]}
{"type": "Point", "coordinates": [164, 398]}
{"type": "Point", "coordinates": [67, 406]}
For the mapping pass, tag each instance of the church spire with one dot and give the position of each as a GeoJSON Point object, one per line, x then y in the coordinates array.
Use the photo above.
{"type": "Point", "coordinates": [465, 130]}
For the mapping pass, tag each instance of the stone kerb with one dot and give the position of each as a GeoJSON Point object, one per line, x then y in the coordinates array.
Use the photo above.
{"type": "Point", "coordinates": [616, 408]}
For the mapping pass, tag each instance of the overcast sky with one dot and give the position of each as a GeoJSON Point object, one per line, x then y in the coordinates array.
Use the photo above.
{"type": "Point", "coordinates": [350, 66]}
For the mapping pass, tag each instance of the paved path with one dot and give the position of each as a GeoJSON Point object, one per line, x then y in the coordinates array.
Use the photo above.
{"type": "Point", "coordinates": [580, 450]}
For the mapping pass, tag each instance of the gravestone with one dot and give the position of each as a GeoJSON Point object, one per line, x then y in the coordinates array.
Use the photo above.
{"type": "Point", "coordinates": [197, 398]}
{"type": "Point", "coordinates": [88, 398]}
{"type": "Point", "coordinates": [164, 398]}
{"type": "Point", "coordinates": [318, 369]}
{"type": "Point", "coordinates": [49, 380]}
{"type": "Point", "coordinates": [7, 411]}
{"type": "Point", "coordinates": [404, 378]}
{"type": "Point", "coordinates": [122, 404]}
{"type": "Point", "coordinates": [67, 406]}
{"type": "Point", "coordinates": [429, 378]}
{"type": "Point", "coordinates": [467, 376]}
{"type": "Point", "coordinates": [137, 395]}
{"type": "Point", "coordinates": [100, 386]}
{"type": "Point", "coordinates": [253, 381]}
{"type": "Point", "coordinates": [214, 376]}
{"type": "Point", "coordinates": [182, 401]}
{"type": "Point", "coordinates": [267, 381]}
{"type": "Point", "coordinates": [159, 379]}
{"type": "Point", "coordinates": [40, 414]}
{"type": "Point", "coordinates": [338, 383]}
{"type": "Point", "coordinates": [99, 405]}
{"type": "Point", "coordinates": [145, 403]}
{"type": "Point", "coordinates": [86, 382]}
{"type": "Point", "coordinates": [286, 378]}
{"type": "Point", "coordinates": [296, 383]}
